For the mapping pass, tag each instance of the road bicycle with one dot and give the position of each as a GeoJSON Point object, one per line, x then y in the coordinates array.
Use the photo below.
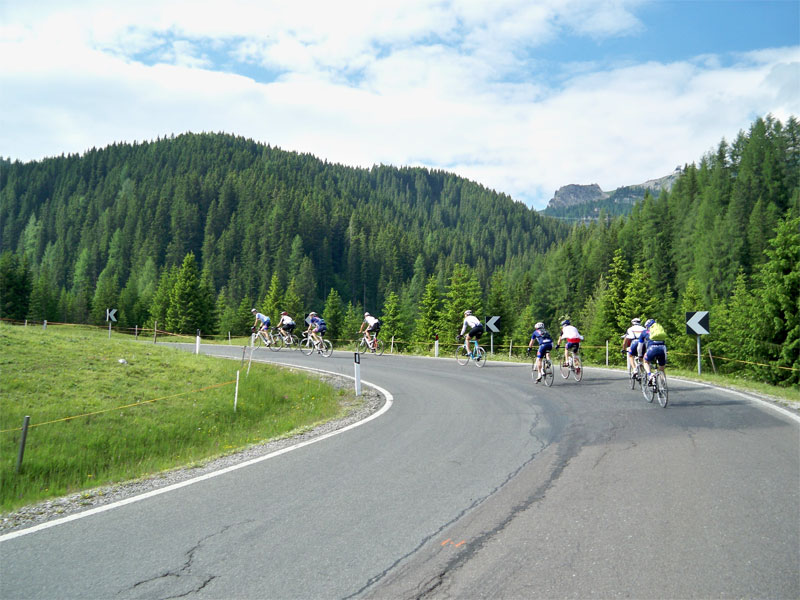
{"type": "Point", "coordinates": [477, 354]}
{"type": "Point", "coordinates": [548, 372]}
{"type": "Point", "coordinates": [636, 373]}
{"type": "Point", "coordinates": [573, 365]}
{"type": "Point", "coordinates": [285, 340]}
{"type": "Point", "coordinates": [656, 387]}
{"type": "Point", "coordinates": [308, 345]}
{"type": "Point", "coordinates": [375, 346]}
{"type": "Point", "coordinates": [265, 339]}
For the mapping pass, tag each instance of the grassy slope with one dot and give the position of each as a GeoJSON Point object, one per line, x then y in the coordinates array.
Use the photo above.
{"type": "Point", "coordinates": [159, 409]}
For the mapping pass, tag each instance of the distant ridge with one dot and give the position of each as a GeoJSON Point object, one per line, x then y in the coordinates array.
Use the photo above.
{"type": "Point", "coordinates": [586, 202]}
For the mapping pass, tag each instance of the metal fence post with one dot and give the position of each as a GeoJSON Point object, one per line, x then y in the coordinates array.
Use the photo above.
{"type": "Point", "coordinates": [25, 423]}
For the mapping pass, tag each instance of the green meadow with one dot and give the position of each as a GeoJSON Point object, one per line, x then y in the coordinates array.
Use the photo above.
{"type": "Point", "coordinates": [109, 410]}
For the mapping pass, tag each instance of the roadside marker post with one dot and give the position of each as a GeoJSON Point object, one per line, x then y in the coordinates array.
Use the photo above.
{"type": "Point", "coordinates": [357, 366]}
{"type": "Point", "coordinates": [26, 421]}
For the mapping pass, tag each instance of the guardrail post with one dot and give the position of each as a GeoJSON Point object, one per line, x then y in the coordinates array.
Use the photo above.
{"type": "Point", "coordinates": [24, 437]}
{"type": "Point", "coordinates": [436, 347]}
{"type": "Point", "coordinates": [236, 393]}
{"type": "Point", "coordinates": [44, 326]}
{"type": "Point", "coordinates": [510, 346]}
{"type": "Point", "coordinates": [197, 343]}
{"type": "Point", "coordinates": [606, 352]}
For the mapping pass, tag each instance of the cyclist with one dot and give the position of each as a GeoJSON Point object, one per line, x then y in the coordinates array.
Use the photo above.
{"type": "Point", "coordinates": [631, 340]}
{"type": "Point", "coordinates": [570, 333]}
{"type": "Point", "coordinates": [286, 324]}
{"type": "Point", "coordinates": [473, 326]}
{"type": "Point", "coordinates": [373, 325]}
{"type": "Point", "coordinates": [654, 339]}
{"type": "Point", "coordinates": [316, 327]}
{"type": "Point", "coordinates": [545, 342]}
{"type": "Point", "coordinates": [263, 319]}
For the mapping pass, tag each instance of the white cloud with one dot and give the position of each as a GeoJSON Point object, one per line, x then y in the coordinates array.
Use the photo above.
{"type": "Point", "coordinates": [424, 82]}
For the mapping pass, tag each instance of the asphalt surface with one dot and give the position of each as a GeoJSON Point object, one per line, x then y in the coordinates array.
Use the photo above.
{"type": "Point", "coordinates": [476, 483]}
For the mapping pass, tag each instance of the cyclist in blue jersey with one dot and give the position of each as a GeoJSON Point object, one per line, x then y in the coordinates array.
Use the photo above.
{"type": "Point", "coordinates": [545, 342]}
{"type": "Point", "coordinates": [654, 339]}
{"type": "Point", "coordinates": [316, 326]}
{"type": "Point", "coordinates": [631, 340]}
{"type": "Point", "coordinates": [263, 319]}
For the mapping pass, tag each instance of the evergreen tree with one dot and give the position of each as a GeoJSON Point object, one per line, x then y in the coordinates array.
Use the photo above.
{"type": "Point", "coordinates": [618, 277]}
{"type": "Point", "coordinates": [106, 296]}
{"type": "Point", "coordinates": [272, 304]}
{"type": "Point", "coordinates": [779, 287]}
{"type": "Point", "coordinates": [161, 297]}
{"type": "Point", "coordinates": [43, 300]}
{"type": "Point", "coordinates": [640, 300]}
{"type": "Point", "coordinates": [390, 318]}
{"type": "Point", "coordinates": [428, 314]}
{"type": "Point", "coordinates": [15, 286]}
{"type": "Point", "coordinates": [353, 317]}
{"type": "Point", "coordinates": [464, 293]}
{"type": "Point", "coordinates": [293, 304]}
{"type": "Point", "coordinates": [333, 315]}
{"type": "Point", "coordinates": [187, 310]}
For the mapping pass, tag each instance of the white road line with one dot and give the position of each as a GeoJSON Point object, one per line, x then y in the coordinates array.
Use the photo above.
{"type": "Point", "coordinates": [176, 486]}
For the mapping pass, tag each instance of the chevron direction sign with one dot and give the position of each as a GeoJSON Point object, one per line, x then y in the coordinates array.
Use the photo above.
{"type": "Point", "coordinates": [697, 322]}
{"type": "Point", "coordinates": [491, 324]}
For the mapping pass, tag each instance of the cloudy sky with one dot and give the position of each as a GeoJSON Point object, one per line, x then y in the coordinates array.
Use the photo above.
{"type": "Point", "coordinates": [522, 96]}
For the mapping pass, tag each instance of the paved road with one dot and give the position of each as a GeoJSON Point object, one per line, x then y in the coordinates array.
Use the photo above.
{"type": "Point", "coordinates": [476, 483]}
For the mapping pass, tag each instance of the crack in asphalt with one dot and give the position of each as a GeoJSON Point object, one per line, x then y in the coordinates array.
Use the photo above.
{"type": "Point", "coordinates": [184, 571]}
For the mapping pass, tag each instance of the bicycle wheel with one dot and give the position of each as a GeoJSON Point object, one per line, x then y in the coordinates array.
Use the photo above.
{"type": "Point", "coordinates": [564, 370]}
{"type": "Point", "coordinates": [361, 347]}
{"type": "Point", "coordinates": [534, 372]}
{"type": "Point", "coordinates": [307, 346]}
{"type": "Point", "coordinates": [549, 372]}
{"type": "Point", "coordinates": [293, 342]}
{"type": "Point", "coordinates": [632, 377]}
{"type": "Point", "coordinates": [643, 382]}
{"type": "Point", "coordinates": [661, 389]}
{"type": "Point", "coordinates": [276, 342]}
{"type": "Point", "coordinates": [480, 357]}
{"type": "Point", "coordinates": [577, 371]}
{"type": "Point", "coordinates": [326, 348]}
{"type": "Point", "coordinates": [379, 347]}
{"type": "Point", "coordinates": [462, 356]}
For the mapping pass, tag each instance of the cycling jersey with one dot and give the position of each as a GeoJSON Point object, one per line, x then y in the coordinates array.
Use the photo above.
{"type": "Point", "coordinates": [319, 325]}
{"type": "Point", "coordinates": [571, 334]}
{"type": "Point", "coordinates": [264, 319]}
{"type": "Point", "coordinates": [372, 322]}
{"type": "Point", "coordinates": [634, 331]}
{"type": "Point", "coordinates": [542, 337]}
{"type": "Point", "coordinates": [285, 320]}
{"type": "Point", "coordinates": [471, 323]}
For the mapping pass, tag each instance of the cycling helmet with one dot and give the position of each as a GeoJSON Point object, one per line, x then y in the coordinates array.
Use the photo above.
{"type": "Point", "coordinates": [253, 310]}
{"type": "Point", "coordinates": [565, 322]}
{"type": "Point", "coordinates": [649, 323]}
{"type": "Point", "coordinates": [636, 321]}
{"type": "Point", "coordinates": [539, 325]}
{"type": "Point", "coordinates": [467, 313]}
{"type": "Point", "coordinates": [366, 314]}
{"type": "Point", "coordinates": [284, 313]}
{"type": "Point", "coordinates": [312, 314]}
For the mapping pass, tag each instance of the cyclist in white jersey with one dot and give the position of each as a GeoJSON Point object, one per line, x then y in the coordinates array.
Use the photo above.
{"type": "Point", "coordinates": [631, 339]}
{"type": "Point", "coordinates": [473, 326]}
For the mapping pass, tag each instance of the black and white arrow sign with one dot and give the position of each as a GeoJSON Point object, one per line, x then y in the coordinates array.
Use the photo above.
{"type": "Point", "coordinates": [491, 324]}
{"type": "Point", "coordinates": [697, 322]}
{"type": "Point", "coordinates": [110, 312]}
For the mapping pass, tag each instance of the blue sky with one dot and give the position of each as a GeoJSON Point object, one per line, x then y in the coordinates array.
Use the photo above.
{"type": "Point", "coordinates": [521, 96]}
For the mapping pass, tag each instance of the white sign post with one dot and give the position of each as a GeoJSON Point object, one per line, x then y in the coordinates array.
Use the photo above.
{"type": "Point", "coordinates": [357, 362]}
{"type": "Point", "coordinates": [110, 312]}
{"type": "Point", "coordinates": [697, 324]}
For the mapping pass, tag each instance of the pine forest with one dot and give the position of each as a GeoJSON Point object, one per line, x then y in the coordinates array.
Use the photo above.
{"type": "Point", "coordinates": [193, 231]}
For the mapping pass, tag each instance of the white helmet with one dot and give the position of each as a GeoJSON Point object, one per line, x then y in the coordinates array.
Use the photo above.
{"type": "Point", "coordinates": [636, 321]}
{"type": "Point", "coordinates": [539, 325]}
{"type": "Point", "coordinates": [467, 313]}
{"type": "Point", "coordinates": [253, 310]}
{"type": "Point", "coordinates": [366, 314]}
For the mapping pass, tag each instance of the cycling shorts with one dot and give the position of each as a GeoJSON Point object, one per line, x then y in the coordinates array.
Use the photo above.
{"type": "Point", "coordinates": [289, 327]}
{"type": "Point", "coordinates": [656, 353]}
{"type": "Point", "coordinates": [632, 347]}
{"type": "Point", "coordinates": [320, 330]}
{"type": "Point", "coordinates": [544, 348]}
{"type": "Point", "coordinates": [574, 346]}
{"type": "Point", "coordinates": [476, 332]}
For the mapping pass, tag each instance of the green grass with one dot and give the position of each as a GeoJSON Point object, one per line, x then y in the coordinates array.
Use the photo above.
{"type": "Point", "coordinates": [160, 409]}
